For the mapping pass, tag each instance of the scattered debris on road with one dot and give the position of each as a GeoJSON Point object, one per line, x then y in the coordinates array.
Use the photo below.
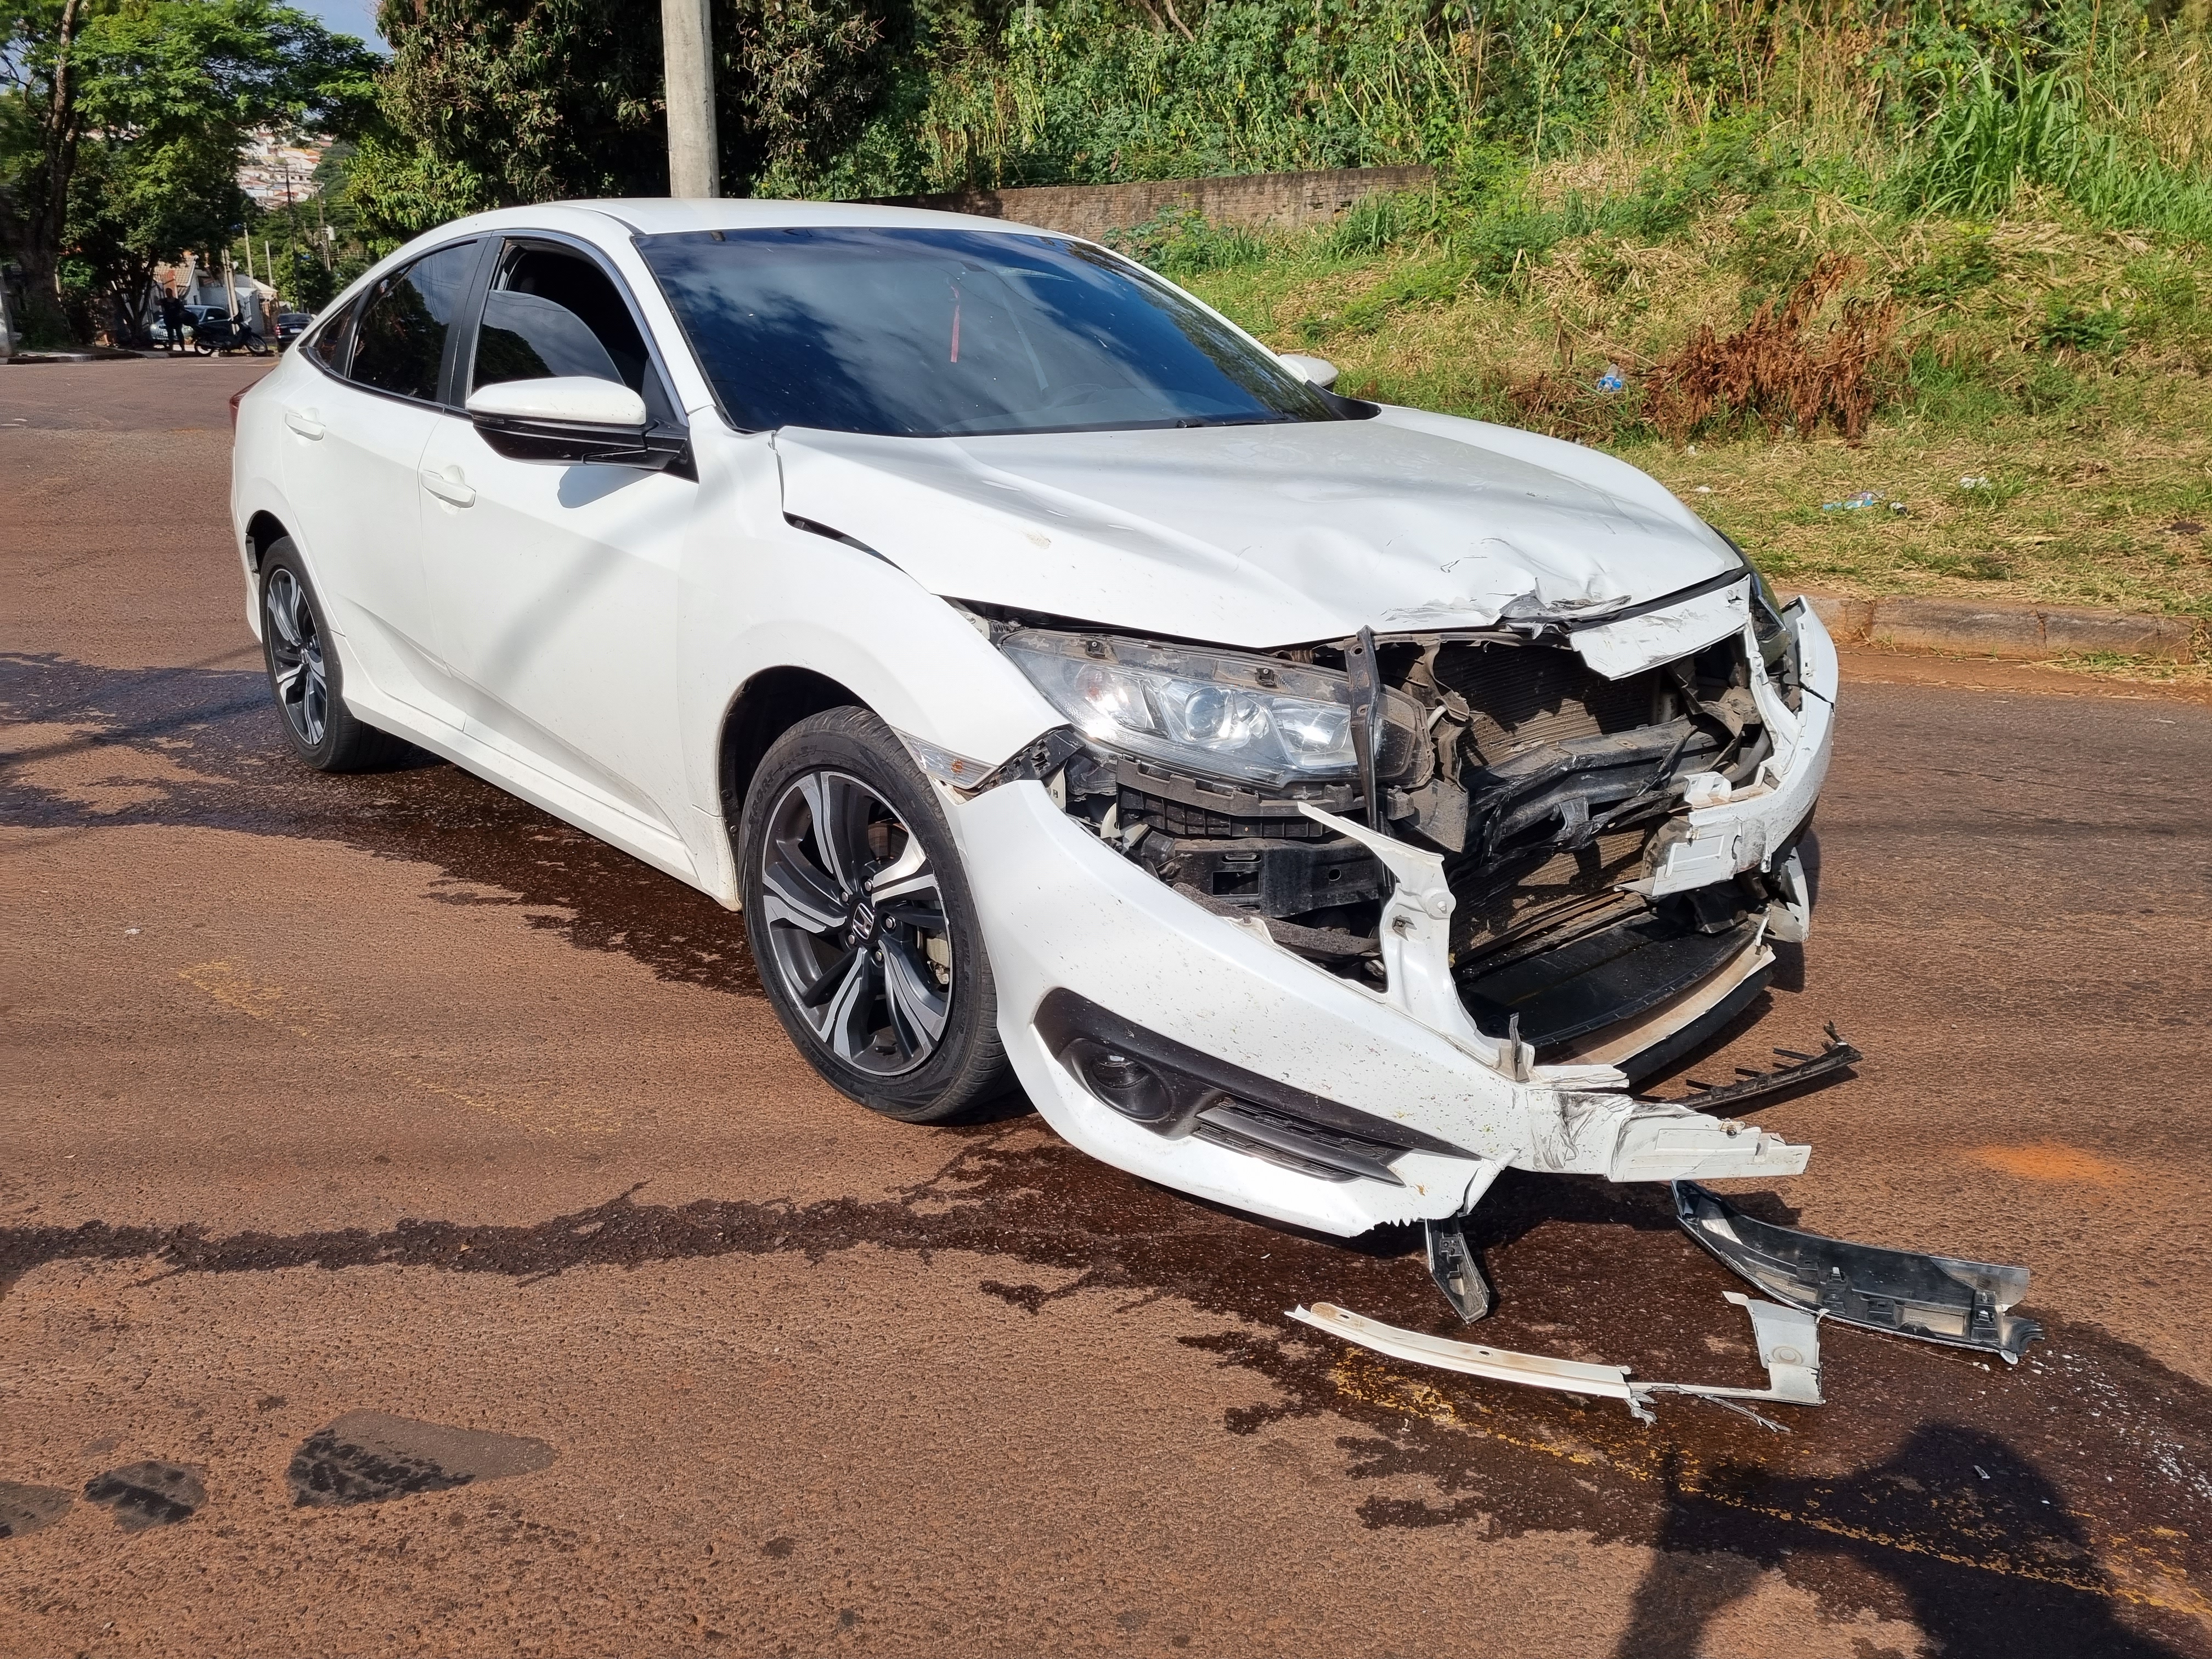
{"type": "Point", "coordinates": [1789, 1346]}
{"type": "Point", "coordinates": [1835, 1056]}
{"type": "Point", "coordinates": [1937, 1298]}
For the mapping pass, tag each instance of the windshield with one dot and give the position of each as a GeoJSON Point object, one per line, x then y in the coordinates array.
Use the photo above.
{"type": "Point", "coordinates": [938, 333]}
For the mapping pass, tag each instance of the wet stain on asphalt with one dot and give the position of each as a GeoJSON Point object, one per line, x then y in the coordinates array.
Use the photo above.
{"type": "Point", "coordinates": [148, 1494]}
{"type": "Point", "coordinates": [25, 1509]}
{"type": "Point", "coordinates": [220, 728]}
{"type": "Point", "coordinates": [2054, 1508]}
{"type": "Point", "coordinates": [365, 1457]}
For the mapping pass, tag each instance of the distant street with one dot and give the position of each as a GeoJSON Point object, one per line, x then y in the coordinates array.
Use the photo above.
{"type": "Point", "coordinates": [385, 1112]}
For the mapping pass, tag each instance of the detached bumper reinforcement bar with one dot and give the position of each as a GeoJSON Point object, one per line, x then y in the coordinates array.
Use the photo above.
{"type": "Point", "coordinates": [1789, 1346]}
{"type": "Point", "coordinates": [1936, 1298]}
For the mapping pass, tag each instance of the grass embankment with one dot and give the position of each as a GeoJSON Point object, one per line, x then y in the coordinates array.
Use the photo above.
{"type": "Point", "coordinates": [2027, 396]}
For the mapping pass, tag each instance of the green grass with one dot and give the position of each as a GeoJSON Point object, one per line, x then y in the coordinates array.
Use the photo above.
{"type": "Point", "coordinates": [2065, 364]}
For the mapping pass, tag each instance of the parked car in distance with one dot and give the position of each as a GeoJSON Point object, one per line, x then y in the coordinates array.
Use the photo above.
{"type": "Point", "coordinates": [1317, 806]}
{"type": "Point", "coordinates": [158, 331]}
{"type": "Point", "coordinates": [290, 325]}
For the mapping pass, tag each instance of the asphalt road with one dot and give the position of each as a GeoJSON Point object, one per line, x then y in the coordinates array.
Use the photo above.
{"type": "Point", "coordinates": [388, 1095]}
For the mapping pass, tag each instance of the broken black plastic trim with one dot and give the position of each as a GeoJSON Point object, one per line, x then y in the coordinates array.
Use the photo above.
{"type": "Point", "coordinates": [1936, 1298]}
{"type": "Point", "coordinates": [1366, 678]}
{"type": "Point", "coordinates": [1456, 1272]}
{"type": "Point", "coordinates": [1836, 1055]}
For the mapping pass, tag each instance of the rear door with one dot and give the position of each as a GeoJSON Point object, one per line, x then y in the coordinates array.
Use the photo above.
{"type": "Point", "coordinates": [554, 586]}
{"type": "Point", "coordinates": [357, 433]}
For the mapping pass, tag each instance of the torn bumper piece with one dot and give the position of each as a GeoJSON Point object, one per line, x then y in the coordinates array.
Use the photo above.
{"type": "Point", "coordinates": [1788, 1338]}
{"type": "Point", "coordinates": [1937, 1298]}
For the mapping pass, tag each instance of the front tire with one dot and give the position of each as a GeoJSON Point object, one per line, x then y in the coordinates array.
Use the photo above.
{"type": "Point", "coordinates": [862, 923]}
{"type": "Point", "coordinates": [304, 676]}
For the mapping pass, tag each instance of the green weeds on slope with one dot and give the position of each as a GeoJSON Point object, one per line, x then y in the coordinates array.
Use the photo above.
{"type": "Point", "coordinates": [2026, 390]}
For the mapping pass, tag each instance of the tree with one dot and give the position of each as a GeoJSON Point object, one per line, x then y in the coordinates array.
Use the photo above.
{"type": "Point", "coordinates": [42, 127]}
{"type": "Point", "coordinates": [524, 101]}
{"type": "Point", "coordinates": [134, 204]}
{"type": "Point", "coordinates": [165, 89]}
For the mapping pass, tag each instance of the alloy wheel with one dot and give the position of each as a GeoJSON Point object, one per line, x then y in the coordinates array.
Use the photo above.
{"type": "Point", "coordinates": [295, 651]}
{"type": "Point", "coordinates": [855, 925]}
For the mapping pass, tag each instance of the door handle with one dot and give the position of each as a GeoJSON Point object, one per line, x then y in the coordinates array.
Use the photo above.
{"type": "Point", "coordinates": [447, 486]}
{"type": "Point", "coordinates": [303, 422]}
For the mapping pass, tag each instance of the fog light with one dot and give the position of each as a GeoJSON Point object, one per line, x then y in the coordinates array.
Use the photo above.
{"type": "Point", "coordinates": [1122, 1081]}
{"type": "Point", "coordinates": [1174, 1090]}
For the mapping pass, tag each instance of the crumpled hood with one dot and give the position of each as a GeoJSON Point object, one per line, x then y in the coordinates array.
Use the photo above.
{"type": "Point", "coordinates": [1260, 536]}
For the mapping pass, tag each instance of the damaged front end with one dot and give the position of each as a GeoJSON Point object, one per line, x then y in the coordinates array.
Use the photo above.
{"type": "Point", "coordinates": [1603, 910]}
{"type": "Point", "coordinates": [1336, 933]}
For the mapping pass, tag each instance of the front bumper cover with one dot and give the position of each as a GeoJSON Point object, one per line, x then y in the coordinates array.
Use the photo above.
{"type": "Point", "coordinates": [1061, 910]}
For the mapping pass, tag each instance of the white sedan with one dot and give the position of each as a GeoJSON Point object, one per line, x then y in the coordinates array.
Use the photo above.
{"type": "Point", "coordinates": [1313, 805]}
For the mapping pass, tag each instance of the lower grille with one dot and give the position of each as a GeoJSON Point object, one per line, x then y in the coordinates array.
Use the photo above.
{"type": "Point", "coordinates": [1327, 1154]}
{"type": "Point", "coordinates": [1178, 818]}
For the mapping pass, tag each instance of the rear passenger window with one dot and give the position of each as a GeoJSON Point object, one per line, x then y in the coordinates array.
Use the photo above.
{"type": "Point", "coordinates": [329, 344]}
{"type": "Point", "coordinates": [551, 313]}
{"type": "Point", "coordinates": [401, 337]}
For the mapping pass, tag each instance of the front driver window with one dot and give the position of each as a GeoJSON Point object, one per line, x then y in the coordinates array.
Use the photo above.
{"type": "Point", "coordinates": [401, 337]}
{"type": "Point", "coordinates": [553, 313]}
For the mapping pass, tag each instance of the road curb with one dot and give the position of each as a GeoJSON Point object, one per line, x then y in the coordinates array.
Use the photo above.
{"type": "Point", "coordinates": [1989, 628]}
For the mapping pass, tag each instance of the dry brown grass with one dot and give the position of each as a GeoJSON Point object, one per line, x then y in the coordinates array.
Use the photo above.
{"type": "Point", "coordinates": [1774, 367]}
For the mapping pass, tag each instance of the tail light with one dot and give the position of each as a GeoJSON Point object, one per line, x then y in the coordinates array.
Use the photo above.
{"type": "Point", "coordinates": [235, 397]}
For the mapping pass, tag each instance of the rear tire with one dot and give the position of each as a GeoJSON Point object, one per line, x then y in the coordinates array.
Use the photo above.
{"type": "Point", "coordinates": [862, 923]}
{"type": "Point", "coordinates": [304, 676]}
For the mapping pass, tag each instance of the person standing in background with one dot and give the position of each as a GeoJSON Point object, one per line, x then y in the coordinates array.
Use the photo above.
{"type": "Point", "coordinates": [173, 320]}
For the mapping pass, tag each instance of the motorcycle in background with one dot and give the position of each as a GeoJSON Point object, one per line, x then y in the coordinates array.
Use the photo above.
{"type": "Point", "coordinates": [225, 333]}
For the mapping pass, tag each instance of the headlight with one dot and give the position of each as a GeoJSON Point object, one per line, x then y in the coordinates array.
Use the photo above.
{"type": "Point", "coordinates": [1760, 586]}
{"type": "Point", "coordinates": [1253, 719]}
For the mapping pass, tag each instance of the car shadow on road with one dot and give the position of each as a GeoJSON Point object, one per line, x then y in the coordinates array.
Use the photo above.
{"type": "Point", "coordinates": [219, 761]}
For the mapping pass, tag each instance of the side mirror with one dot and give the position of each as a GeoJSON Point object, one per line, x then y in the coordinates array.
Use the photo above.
{"type": "Point", "coordinates": [1318, 371]}
{"type": "Point", "coordinates": [570, 419]}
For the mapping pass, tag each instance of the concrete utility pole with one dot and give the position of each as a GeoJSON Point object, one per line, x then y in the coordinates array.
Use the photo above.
{"type": "Point", "coordinates": [687, 48]}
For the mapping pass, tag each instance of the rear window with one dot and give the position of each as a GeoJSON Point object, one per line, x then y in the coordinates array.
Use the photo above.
{"type": "Point", "coordinates": [933, 333]}
{"type": "Point", "coordinates": [330, 343]}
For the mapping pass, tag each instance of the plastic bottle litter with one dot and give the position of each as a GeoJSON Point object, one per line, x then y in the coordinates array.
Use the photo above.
{"type": "Point", "coordinates": [1864, 499]}
{"type": "Point", "coordinates": [1611, 380]}
{"type": "Point", "coordinates": [1976, 481]}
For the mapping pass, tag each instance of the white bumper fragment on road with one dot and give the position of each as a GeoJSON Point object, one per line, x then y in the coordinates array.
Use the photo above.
{"type": "Point", "coordinates": [1789, 1346]}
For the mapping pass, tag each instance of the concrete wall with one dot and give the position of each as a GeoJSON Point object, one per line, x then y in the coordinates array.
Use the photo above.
{"type": "Point", "coordinates": [1275, 201]}
{"type": "Point", "coordinates": [1999, 627]}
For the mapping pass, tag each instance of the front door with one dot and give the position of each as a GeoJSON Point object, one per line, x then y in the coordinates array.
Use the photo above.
{"type": "Point", "coordinates": [357, 433]}
{"type": "Point", "coordinates": [555, 586]}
